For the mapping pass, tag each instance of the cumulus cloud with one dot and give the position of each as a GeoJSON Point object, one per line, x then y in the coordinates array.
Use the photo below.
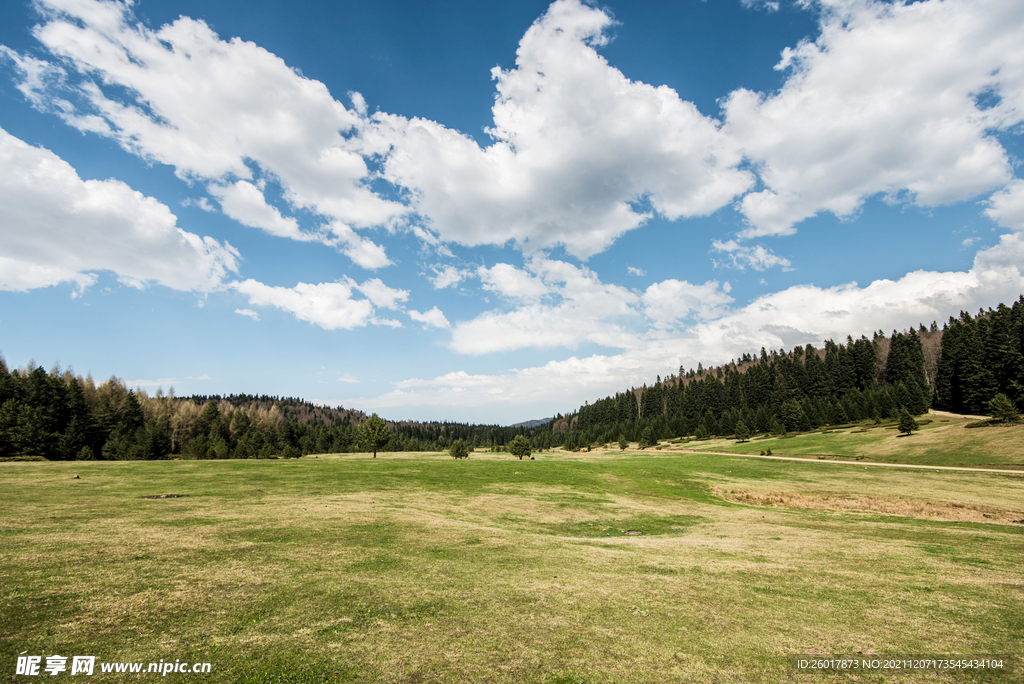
{"type": "Point", "coordinates": [328, 305]}
{"type": "Point", "coordinates": [576, 307]}
{"type": "Point", "coordinates": [225, 111]}
{"type": "Point", "coordinates": [430, 319]}
{"type": "Point", "coordinates": [795, 316]}
{"type": "Point", "coordinates": [248, 312]}
{"type": "Point", "coordinates": [56, 227]}
{"type": "Point", "coordinates": [446, 276]}
{"type": "Point", "coordinates": [888, 99]}
{"type": "Point", "coordinates": [632, 270]}
{"type": "Point", "coordinates": [1006, 207]}
{"type": "Point", "coordinates": [245, 203]}
{"type": "Point", "coordinates": [511, 282]}
{"type": "Point", "coordinates": [576, 145]}
{"type": "Point", "coordinates": [767, 5]}
{"type": "Point", "coordinates": [742, 255]}
{"type": "Point", "coordinates": [380, 294]}
{"type": "Point", "coordinates": [359, 249]}
{"type": "Point", "coordinates": [671, 301]}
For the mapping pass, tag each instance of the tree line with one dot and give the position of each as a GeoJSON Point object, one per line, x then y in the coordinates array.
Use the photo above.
{"type": "Point", "coordinates": [58, 415]}
{"type": "Point", "coordinates": [963, 367]}
{"type": "Point", "coordinates": [960, 368]}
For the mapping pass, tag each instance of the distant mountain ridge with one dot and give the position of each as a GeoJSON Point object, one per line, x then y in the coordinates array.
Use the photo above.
{"type": "Point", "coordinates": [531, 424]}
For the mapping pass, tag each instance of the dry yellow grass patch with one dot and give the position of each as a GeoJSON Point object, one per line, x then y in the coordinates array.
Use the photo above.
{"type": "Point", "coordinates": [888, 505]}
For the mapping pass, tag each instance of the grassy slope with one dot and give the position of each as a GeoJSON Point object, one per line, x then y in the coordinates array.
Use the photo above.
{"type": "Point", "coordinates": [418, 568]}
{"type": "Point", "coordinates": [945, 441]}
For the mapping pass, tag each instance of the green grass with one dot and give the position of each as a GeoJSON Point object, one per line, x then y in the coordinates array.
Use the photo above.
{"type": "Point", "coordinates": [944, 441]}
{"type": "Point", "coordinates": [418, 568]}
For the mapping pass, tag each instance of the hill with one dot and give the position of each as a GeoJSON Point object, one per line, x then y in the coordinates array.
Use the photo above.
{"type": "Point", "coordinates": [960, 367]}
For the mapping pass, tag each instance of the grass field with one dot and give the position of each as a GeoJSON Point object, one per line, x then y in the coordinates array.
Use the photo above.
{"type": "Point", "coordinates": [944, 441]}
{"type": "Point", "coordinates": [597, 567]}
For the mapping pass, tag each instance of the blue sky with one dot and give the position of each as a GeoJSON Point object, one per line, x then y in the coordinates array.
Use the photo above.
{"type": "Point", "coordinates": [492, 212]}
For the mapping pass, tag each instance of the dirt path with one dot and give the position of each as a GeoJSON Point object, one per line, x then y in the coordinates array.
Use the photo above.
{"type": "Point", "coordinates": [861, 463]}
{"type": "Point", "coordinates": [933, 412]}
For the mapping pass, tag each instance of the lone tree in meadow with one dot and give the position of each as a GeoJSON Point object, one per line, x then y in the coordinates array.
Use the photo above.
{"type": "Point", "coordinates": [1003, 410]}
{"type": "Point", "coordinates": [374, 433]}
{"type": "Point", "coordinates": [459, 449]}
{"type": "Point", "coordinates": [742, 432]}
{"type": "Point", "coordinates": [647, 438]}
{"type": "Point", "coordinates": [520, 446]}
{"type": "Point", "coordinates": [907, 422]}
{"type": "Point", "coordinates": [623, 442]}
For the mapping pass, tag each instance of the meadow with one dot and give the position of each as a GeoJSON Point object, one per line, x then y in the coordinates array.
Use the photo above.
{"type": "Point", "coordinates": [607, 566]}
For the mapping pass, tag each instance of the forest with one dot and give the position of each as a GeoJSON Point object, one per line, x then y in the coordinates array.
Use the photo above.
{"type": "Point", "coordinates": [962, 367]}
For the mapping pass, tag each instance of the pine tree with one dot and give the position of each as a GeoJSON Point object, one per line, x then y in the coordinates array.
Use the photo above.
{"type": "Point", "coordinates": [1003, 410]}
{"type": "Point", "coordinates": [459, 449]}
{"type": "Point", "coordinates": [158, 444]}
{"type": "Point", "coordinates": [374, 433]}
{"type": "Point", "coordinates": [520, 447]}
{"type": "Point", "coordinates": [907, 422]}
{"type": "Point", "coordinates": [742, 433]}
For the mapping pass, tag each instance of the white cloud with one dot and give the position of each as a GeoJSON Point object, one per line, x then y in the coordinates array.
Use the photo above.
{"type": "Point", "coordinates": [328, 305]}
{"type": "Point", "coordinates": [635, 271]}
{"type": "Point", "coordinates": [348, 378]}
{"type": "Point", "coordinates": [55, 227]}
{"type": "Point", "coordinates": [795, 316]}
{"type": "Point", "coordinates": [671, 301]}
{"type": "Point", "coordinates": [1006, 207]}
{"type": "Point", "coordinates": [581, 308]}
{"type": "Point", "coordinates": [213, 109]}
{"type": "Point", "coordinates": [430, 319]}
{"type": "Point", "coordinates": [245, 203]}
{"type": "Point", "coordinates": [201, 203]}
{"type": "Point", "coordinates": [758, 257]}
{"type": "Point", "coordinates": [446, 276]}
{"type": "Point", "coordinates": [248, 312]}
{"type": "Point", "coordinates": [159, 382]}
{"type": "Point", "coordinates": [1003, 260]}
{"type": "Point", "coordinates": [884, 101]}
{"type": "Point", "coordinates": [511, 282]}
{"type": "Point", "coordinates": [380, 294]}
{"type": "Point", "coordinates": [359, 249]}
{"type": "Point", "coordinates": [576, 143]}
{"type": "Point", "coordinates": [767, 5]}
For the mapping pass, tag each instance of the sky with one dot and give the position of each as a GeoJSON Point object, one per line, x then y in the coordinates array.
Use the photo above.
{"type": "Point", "coordinates": [494, 212]}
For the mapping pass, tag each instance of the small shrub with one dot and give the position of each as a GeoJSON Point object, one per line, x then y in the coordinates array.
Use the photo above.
{"type": "Point", "coordinates": [1003, 410]}
{"type": "Point", "coordinates": [459, 450]}
{"type": "Point", "coordinates": [521, 447]}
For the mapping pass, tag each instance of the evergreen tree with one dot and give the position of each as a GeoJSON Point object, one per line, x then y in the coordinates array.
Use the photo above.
{"type": "Point", "coordinates": [623, 443]}
{"type": "Point", "coordinates": [374, 433]}
{"type": "Point", "coordinates": [459, 449]}
{"type": "Point", "coordinates": [1003, 410]}
{"type": "Point", "coordinates": [158, 444]}
{"type": "Point", "coordinates": [742, 433]}
{"type": "Point", "coordinates": [647, 438]}
{"type": "Point", "coordinates": [520, 447]}
{"type": "Point", "coordinates": [907, 423]}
